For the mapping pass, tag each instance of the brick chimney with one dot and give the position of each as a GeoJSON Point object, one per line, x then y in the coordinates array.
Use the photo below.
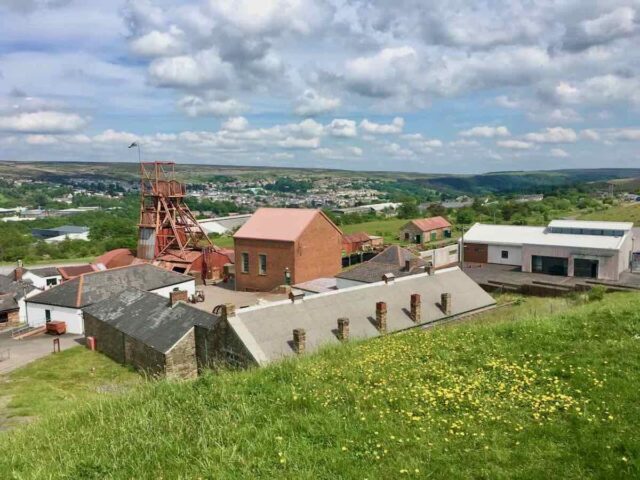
{"type": "Point", "coordinates": [445, 303]}
{"type": "Point", "coordinates": [228, 310]}
{"type": "Point", "coordinates": [430, 268]}
{"type": "Point", "coordinates": [299, 340]}
{"type": "Point", "coordinates": [19, 271]}
{"type": "Point", "coordinates": [176, 296]}
{"type": "Point", "coordinates": [381, 317]}
{"type": "Point", "coordinates": [410, 264]}
{"type": "Point", "coordinates": [388, 278]}
{"type": "Point", "coordinates": [343, 329]}
{"type": "Point", "coordinates": [416, 307]}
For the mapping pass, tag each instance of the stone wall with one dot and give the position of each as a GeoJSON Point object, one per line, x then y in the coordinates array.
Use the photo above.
{"type": "Point", "coordinates": [143, 357]}
{"type": "Point", "coordinates": [220, 347]}
{"type": "Point", "coordinates": [108, 340]}
{"type": "Point", "coordinates": [13, 319]}
{"type": "Point", "coordinates": [180, 361]}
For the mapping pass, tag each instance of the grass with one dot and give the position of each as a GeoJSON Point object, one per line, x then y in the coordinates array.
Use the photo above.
{"type": "Point", "coordinates": [51, 261]}
{"type": "Point", "coordinates": [548, 395]}
{"type": "Point", "coordinates": [58, 382]}
{"type": "Point", "coordinates": [629, 212]}
{"type": "Point", "coordinates": [389, 228]}
{"type": "Point", "coordinates": [224, 241]}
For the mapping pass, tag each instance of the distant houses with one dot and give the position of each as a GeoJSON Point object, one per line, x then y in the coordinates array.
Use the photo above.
{"type": "Point", "coordinates": [280, 246]}
{"type": "Point", "coordinates": [425, 230]}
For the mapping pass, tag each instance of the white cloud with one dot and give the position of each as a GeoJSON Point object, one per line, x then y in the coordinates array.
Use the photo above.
{"type": "Point", "coordinates": [485, 131]}
{"type": "Point", "coordinates": [42, 122]}
{"type": "Point", "coordinates": [158, 44]}
{"type": "Point", "coordinates": [553, 135]}
{"type": "Point", "coordinates": [515, 144]}
{"type": "Point", "coordinates": [112, 136]}
{"type": "Point", "coordinates": [628, 134]}
{"type": "Point", "coordinates": [341, 127]}
{"type": "Point", "coordinates": [589, 134]}
{"type": "Point", "coordinates": [195, 106]}
{"type": "Point", "coordinates": [395, 126]}
{"type": "Point", "coordinates": [311, 103]}
{"type": "Point", "coordinates": [558, 153]}
{"type": "Point", "coordinates": [41, 139]}
{"type": "Point", "coordinates": [291, 142]}
{"type": "Point", "coordinates": [203, 69]}
{"type": "Point", "coordinates": [396, 150]}
{"type": "Point", "coordinates": [235, 124]}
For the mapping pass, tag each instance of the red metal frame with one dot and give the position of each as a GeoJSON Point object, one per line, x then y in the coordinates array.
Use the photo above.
{"type": "Point", "coordinates": [162, 208]}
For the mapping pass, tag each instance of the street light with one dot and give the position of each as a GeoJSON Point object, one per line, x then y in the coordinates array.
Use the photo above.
{"type": "Point", "coordinates": [136, 144]}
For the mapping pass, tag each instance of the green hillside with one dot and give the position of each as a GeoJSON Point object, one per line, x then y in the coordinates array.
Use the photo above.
{"type": "Point", "coordinates": [551, 396]}
{"type": "Point", "coordinates": [619, 213]}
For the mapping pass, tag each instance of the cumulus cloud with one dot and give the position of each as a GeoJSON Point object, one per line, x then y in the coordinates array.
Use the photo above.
{"type": "Point", "coordinates": [553, 135]}
{"type": "Point", "coordinates": [589, 134]}
{"type": "Point", "coordinates": [341, 127]}
{"type": "Point", "coordinates": [558, 153]}
{"type": "Point", "coordinates": [515, 144]}
{"type": "Point", "coordinates": [291, 142]}
{"type": "Point", "coordinates": [42, 122]}
{"type": "Point", "coordinates": [628, 134]}
{"type": "Point", "coordinates": [311, 103]}
{"type": "Point", "coordinates": [196, 105]}
{"type": "Point", "coordinates": [485, 131]}
{"type": "Point", "coordinates": [395, 126]}
{"type": "Point", "coordinates": [159, 44]}
{"type": "Point", "coordinates": [235, 124]}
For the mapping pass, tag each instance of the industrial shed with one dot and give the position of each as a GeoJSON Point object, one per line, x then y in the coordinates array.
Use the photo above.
{"type": "Point", "coordinates": [65, 302]}
{"type": "Point", "coordinates": [571, 248]}
{"type": "Point", "coordinates": [149, 332]}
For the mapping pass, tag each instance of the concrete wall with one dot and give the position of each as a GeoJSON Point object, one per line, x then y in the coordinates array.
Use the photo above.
{"type": "Point", "coordinates": [494, 254]}
{"type": "Point", "coordinates": [441, 257]}
{"type": "Point", "coordinates": [72, 316]}
{"type": "Point", "coordinates": [608, 266]}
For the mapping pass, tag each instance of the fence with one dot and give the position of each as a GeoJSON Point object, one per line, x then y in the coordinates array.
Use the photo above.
{"type": "Point", "coordinates": [441, 257]}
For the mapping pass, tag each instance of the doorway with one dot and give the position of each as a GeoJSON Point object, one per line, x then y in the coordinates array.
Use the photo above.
{"type": "Point", "coordinates": [550, 265]}
{"type": "Point", "coordinates": [585, 268]}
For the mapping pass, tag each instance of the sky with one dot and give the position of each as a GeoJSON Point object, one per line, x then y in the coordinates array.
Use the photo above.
{"type": "Point", "coordinates": [436, 86]}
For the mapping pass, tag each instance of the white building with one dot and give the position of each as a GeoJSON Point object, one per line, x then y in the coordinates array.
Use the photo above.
{"type": "Point", "coordinates": [42, 278]}
{"type": "Point", "coordinates": [565, 247]}
{"type": "Point", "coordinates": [66, 301]}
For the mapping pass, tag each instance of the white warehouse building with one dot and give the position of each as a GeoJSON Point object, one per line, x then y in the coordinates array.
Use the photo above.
{"type": "Point", "coordinates": [573, 248]}
{"type": "Point", "coordinates": [66, 301]}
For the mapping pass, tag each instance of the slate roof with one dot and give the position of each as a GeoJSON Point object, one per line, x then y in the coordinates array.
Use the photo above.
{"type": "Point", "coordinates": [266, 331]}
{"type": "Point", "coordinates": [8, 302]}
{"type": "Point", "coordinates": [45, 271]}
{"type": "Point", "coordinates": [390, 260]}
{"type": "Point", "coordinates": [94, 287]}
{"type": "Point", "coordinates": [9, 285]}
{"type": "Point", "coordinates": [283, 224]}
{"type": "Point", "coordinates": [432, 223]}
{"type": "Point", "coordinates": [148, 317]}
{"type": "Point", "coordinates": [73, 271]}
{"type": "Point", "coordinates": [357, 237]}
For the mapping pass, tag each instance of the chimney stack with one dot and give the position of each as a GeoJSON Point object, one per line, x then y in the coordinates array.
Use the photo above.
{"type": "Point", "coordinates": [381, 317]}
{"type": "Point", "coordinates": [228, 310]}
{"type": "Point", "coordinates": [445, 303]}
{"type": "Point", "coordinates": [178, 296]}
{"type": "Point", "coordinates": [388, 278]}
{"type": "Point", "coordinates": [416, 308]}
{"type": "Point", "coordinates": [430, 268]}
{"type": "Point", "coordinates": [19, 271]}
{"type": "Point", "coordinates": [299, 340]}
{"type": "Point", "coordinates": [343, 329]}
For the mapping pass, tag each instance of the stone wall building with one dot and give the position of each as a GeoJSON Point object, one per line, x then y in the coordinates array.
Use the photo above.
{"type": "Point", "coordinates": [148, 332]}
{"type": "Point", "coordinates": [425, 230]}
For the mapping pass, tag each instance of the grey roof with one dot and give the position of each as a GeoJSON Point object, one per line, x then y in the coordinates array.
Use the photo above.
{"type": "Point", "coordinates": [266, 331]}
{"type": "Point", "coordinates": [391, 260]}
{"type": "Point", "coordinates": [94, 287]}
{"type": "Point", "coordinates": [9, 286]}
{"type": "Point", "coordinates": [45, 271]}
{"type": "Point", "coordinates": [148, 317]}
{"type": "Point", "coordinates": [232, 222]}
{"type": "Point", "coordinates": [8, 302]}
{"type": "Point", "coordinates": [70, 229]}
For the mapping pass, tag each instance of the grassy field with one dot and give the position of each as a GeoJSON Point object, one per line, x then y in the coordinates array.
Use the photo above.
{"type": "Point", "coordinates": [628, 212]}
{"type": "Point", "coordinates": [550, 395]}
{"type": "Point", "coordinates": [59, 382]}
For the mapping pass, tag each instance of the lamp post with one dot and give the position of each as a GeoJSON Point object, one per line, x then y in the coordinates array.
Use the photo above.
{"type": "Point", "coordinates": [137, 145]}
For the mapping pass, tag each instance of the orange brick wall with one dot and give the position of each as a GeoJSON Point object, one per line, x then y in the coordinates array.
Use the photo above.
{"type": "Point", "coordinates": [317, 253]}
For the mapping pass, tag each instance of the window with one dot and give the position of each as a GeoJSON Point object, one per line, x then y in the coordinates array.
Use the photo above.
{"type": "Point", "coordinates": [406, 235]}
{"type": "Point", "coordinates": [245, 262]}
{"type": "Point", "coordinates": [52, 282]}
{"type": "Point", "coordinates": [47, 315]}
{"type": "Point", "coordinates": [262, 264]}
{"type": "Point", "coordinates": [505, 253]}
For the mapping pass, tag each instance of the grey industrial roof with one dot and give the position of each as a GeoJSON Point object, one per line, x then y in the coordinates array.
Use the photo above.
{"type": "Point", "coordinates": [45, 271]}
{"type": "Point", "coordinates": [391, 260]}
{"type": "Point", "coordinates": [94, 287]}
{"type": "Point", "coordinates": [591, 224]}
{"type": "Point", "coordinates": [70, 229]}
{"type": "Point", "coordinates": [266, 331]}
{"type": "Point", "coordinates": [150, 318]}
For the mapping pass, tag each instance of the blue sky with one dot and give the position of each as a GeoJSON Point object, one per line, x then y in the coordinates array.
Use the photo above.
{"type": "Point", "coordinates": [414, 85]}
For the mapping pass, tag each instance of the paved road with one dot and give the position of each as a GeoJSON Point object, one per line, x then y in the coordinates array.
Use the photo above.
{"type": "Point", "coordinates": [29, 349]}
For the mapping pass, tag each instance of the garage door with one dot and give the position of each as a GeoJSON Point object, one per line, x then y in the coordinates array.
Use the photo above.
{"type": "Point", "coordinates": [550, 265]}
{"type": "Point", "coordinates": [476, 253]}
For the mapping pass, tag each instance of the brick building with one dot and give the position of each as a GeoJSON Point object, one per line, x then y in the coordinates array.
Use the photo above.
{"type": "Point", "coordinates": [425, 230]}
{"type": "Point", "coordinates": [151, 333]}
{"type": "Point", "coordinates": [280, 246]}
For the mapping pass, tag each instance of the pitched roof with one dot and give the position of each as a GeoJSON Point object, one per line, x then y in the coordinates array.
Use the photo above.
{"type": "Point", "coordinates": [390, 260]}
{"type": "Point", "coordinates": [8, 302]}
{"type": "Point", "coordinates": [9, 286]}
{"type": "Point", "coordinates": [44, 271]}
{"type": "Point", "coordinates": [283, 224]}
{"type": "Point", "coordinates": [266, 331]}
{"type": "Point", "coordinates": [76, 270]}
{"type": "Point", "coordinates": [356, 237]}
{"type": "Point", "coordinates": [150, 318]}
{"type": "Point", "coordinates": [94, 287]}
{"type": "Point", "coordinates": [115, 258]}
{"type": "Point", "coordinates": [433, 223]}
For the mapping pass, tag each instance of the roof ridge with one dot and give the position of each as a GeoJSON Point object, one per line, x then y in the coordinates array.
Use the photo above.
{"type": "Point", "coordinates": [79, 293]}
